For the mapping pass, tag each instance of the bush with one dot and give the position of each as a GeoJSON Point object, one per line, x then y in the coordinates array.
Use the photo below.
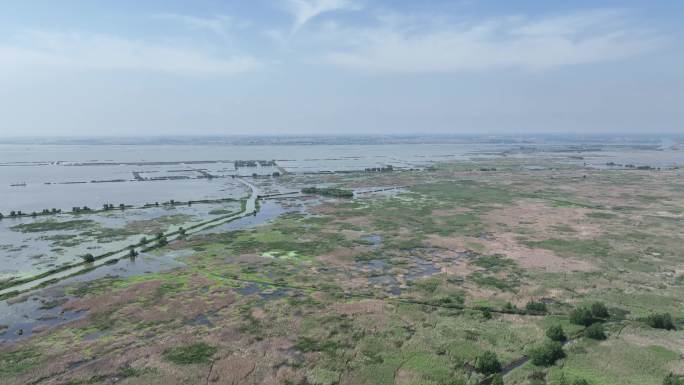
{"type": "Point", "coordinates": [599, 310]}
{"type": "Point", "coordinates": [671, 379]}
{"type": "Point", "coordinates": [556, 333]}
{"type": "Point", "coordinates": [563, 381]}
{"type": "Point", "coordinates": [509, 307]}
{"type": "Point", "coordinates": [547, 353]}
{"type": "Point", "coordinates": [497, 379]}
{"type": "Point", "coordinates": [660, 321]}
{"type": "Point", "coordinates": [487, 363]}
{"type": "Point", "coordinates": [535, 307]}
{"type": "Point", "coordinates": [595, 332]}
{"type": "Point", "coordinates": [582, 316]}
{"type": "Point", "coordinates": [486, 313]}
{"type": "Point", "coordinates": [88, 258]}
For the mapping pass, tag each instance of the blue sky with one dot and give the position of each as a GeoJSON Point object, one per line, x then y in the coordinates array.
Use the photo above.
{"type": "Point", "coordinates": [340, 66]}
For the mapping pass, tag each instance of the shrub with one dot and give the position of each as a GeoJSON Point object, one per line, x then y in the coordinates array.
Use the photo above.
{"type": "Point", "coordinates": [487, 363]}
{"type": "Point", "coordinates": [497, 379]}
{"type": "Point", "coordinates": [190, 354]}
{"type": "Point", "coordinates": [547, 353]}
{"type": "Point", "coordinates": [486, 313]}
{"type": "Point", "coordinates": [660, 321]}
{"type": "Point", "coordinates": [556, 333]}
{"type": "Point", "coordinates": [595, 332]}
{"type": "Point", "coordinates": [88, 258]}
{"type": "Point", "coordinates": [580, 381]}
{"type": "Point", "coordinates": [671, 379]}
{"type": "Point", "coordinates": [509, 307]}
{"type": "Point", "coordinates": [582, 316]}
{"type": "Point", "coordinates": [599, 310]}
{"type": "Point", "coordinates": [536, 307]}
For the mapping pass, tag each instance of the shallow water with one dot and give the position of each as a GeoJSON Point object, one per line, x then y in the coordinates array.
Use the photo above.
{"type": "Point", "coordinates": [25, 253]}
{"type": "Point", "coordinates": [29, 316]}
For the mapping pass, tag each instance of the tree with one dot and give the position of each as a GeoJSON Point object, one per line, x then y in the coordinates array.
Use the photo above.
{"type": "Point", "coordinates": [556, 333]}
{"type": "Point", "coordinates": [143, 240]}
{"type": "Point", "coordinates": [660, 321]}
{"type": "Point", "coordinates": [595, 332]}
{"type": "Point", "coordinates": [599, 310]}
{"type": "Point", "coordinates": [132, 253]}
{"type": "Point", "coordinates": [487, 363]}
{"type": "Point", "coordinates": [582, 316]}
{"type": "Point", "coordinates": [88, 258]}
{"type": "Point", "coordinates": [547, 353]}
{"type": "Point", "coordinates": [580, 381]}
{"type": "Point", "coordinates": [497, 379]}
{"type": "Point", "coordinates": [536, 307]}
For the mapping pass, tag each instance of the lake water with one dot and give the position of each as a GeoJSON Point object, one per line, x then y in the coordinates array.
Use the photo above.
{"type": "Point", "coordinates": [34, 177]}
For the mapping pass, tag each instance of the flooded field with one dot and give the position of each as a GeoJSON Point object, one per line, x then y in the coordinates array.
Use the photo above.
{"type": "Point", "coordinates": [33, 245]}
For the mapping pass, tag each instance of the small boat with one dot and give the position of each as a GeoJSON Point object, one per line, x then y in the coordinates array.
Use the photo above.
{"type": "Point", "coordinates": [19, 184]}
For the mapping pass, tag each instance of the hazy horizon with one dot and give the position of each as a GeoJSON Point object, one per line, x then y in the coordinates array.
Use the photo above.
{"type": "Point", "coordinates": [341, 67]}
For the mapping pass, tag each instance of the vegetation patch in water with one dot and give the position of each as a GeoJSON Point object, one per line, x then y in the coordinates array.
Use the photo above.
{"type": "Point", "coordinates": [197, 353]}
{"type": "Point", "coordinates": [38, 227]}
{"type": "Point", "coordinates": [17, 362]}
{"type": "Point", "coordinates": [329, 191]}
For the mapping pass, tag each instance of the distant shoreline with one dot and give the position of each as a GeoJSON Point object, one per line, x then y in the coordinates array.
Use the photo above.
{"type": "Point", "coordinates": [245, 140]}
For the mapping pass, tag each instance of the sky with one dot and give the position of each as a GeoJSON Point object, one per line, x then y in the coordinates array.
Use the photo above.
{"type": "Point", "coordinates": [262, 67]}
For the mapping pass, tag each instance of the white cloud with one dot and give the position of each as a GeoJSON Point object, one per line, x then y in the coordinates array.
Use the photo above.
{"type": "Point", "coordinates": [219, 25]}
{"type": "Point", "coordinates": [511, 42]}
{"type": "Point", "coordinates": [305, 10]}
{"type": "Point", "coordinates": [104, 52]}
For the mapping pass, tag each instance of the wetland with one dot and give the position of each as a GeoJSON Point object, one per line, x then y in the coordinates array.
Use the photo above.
{"type": "Point", "coordinates": [395, 263]}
